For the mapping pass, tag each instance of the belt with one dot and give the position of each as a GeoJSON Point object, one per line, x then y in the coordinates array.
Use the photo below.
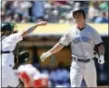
{"type": "Point", "coordinates": [82, 60]}
{"type": "Point", "coordinates": [5, 52]}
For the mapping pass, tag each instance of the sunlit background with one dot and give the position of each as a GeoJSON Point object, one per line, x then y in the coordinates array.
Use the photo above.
{"type": "Point", "coordinates": [58, 14]}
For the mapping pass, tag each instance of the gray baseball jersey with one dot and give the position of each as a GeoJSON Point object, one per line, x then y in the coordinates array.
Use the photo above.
{"type": "Point", "coordinates": [82, 42]}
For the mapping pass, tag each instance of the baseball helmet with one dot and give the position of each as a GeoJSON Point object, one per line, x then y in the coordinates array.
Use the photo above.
{"type": "Point", "coordinates": [7, 27]}
{"type": "Point", "coordinates": [23, 56]}
{"type": "Point", "coordinates": [79, 11]}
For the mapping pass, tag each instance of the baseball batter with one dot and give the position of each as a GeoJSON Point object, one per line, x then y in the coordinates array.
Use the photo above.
{"type": "Point", "coordinates": [31, 77]}
{"type": "Point", "coordinates": [82, 38]}
{"type": "Point", "coordinates": [9, 41]}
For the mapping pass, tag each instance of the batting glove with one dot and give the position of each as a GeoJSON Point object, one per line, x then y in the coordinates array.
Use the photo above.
{"type": "Point", "coordinates": [101, 59]}
{"type": "Point", "coordinates": [45, 55]}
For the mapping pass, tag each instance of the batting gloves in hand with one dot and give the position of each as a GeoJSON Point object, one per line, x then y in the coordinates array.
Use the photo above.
{"type": "Point", "coordinates": [101, 59]}
{"type": "Point", "coordinates": [45, 55]}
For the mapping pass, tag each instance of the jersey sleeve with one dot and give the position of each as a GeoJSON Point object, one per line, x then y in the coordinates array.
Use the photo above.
{"type": "Point", "coordinates": [17, 37]}
{"type": "Point", "coordinates": [97, 37]}
{"type": "Point", "coordinates": [65, 39]}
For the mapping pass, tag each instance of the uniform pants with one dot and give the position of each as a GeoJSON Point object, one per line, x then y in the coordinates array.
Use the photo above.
{"type": "Point", "coordinates": [8, 77]}
{"type": "Point", "coordinates": [80, 70]}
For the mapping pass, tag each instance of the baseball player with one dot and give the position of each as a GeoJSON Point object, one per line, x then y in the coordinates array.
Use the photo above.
{"type": "Point", "coordinates": [31, 77]}
{"type": "Point", "coordinates": [82, 38]}
{"type": "Point", "coordinates": [28, 74]}
{"type": "Point", "coordinates": [8, 43]}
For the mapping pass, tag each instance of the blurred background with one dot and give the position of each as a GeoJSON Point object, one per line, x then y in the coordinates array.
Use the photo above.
{"type": "Point", "coordinates": [58, 14]}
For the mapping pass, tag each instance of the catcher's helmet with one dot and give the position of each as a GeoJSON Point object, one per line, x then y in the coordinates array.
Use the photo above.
{"type": "Point", "coordinates": [79, 11]}
{"type": "Point", "coordinates": [7, 27]}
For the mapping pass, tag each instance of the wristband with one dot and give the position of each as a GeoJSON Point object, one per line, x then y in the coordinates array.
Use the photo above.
{"type": "Point", "coordinates": [101, 56]}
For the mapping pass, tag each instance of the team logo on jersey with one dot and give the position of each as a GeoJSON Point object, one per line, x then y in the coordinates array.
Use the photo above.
{"type": "Point", "coordinates": [82, 39]}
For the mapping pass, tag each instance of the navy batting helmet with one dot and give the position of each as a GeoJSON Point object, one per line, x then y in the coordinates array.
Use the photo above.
{"type": "Point", "coordinates": [7, 27]}
{"type": "Point", "coordinates": [79, 11]}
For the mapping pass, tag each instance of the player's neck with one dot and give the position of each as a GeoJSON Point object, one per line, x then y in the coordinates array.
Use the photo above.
{"type": "Point", "coordinates": [81, 26]}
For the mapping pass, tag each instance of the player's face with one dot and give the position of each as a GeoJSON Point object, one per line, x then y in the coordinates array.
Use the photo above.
{"type": "Point", "coordinates": [78, 17]}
